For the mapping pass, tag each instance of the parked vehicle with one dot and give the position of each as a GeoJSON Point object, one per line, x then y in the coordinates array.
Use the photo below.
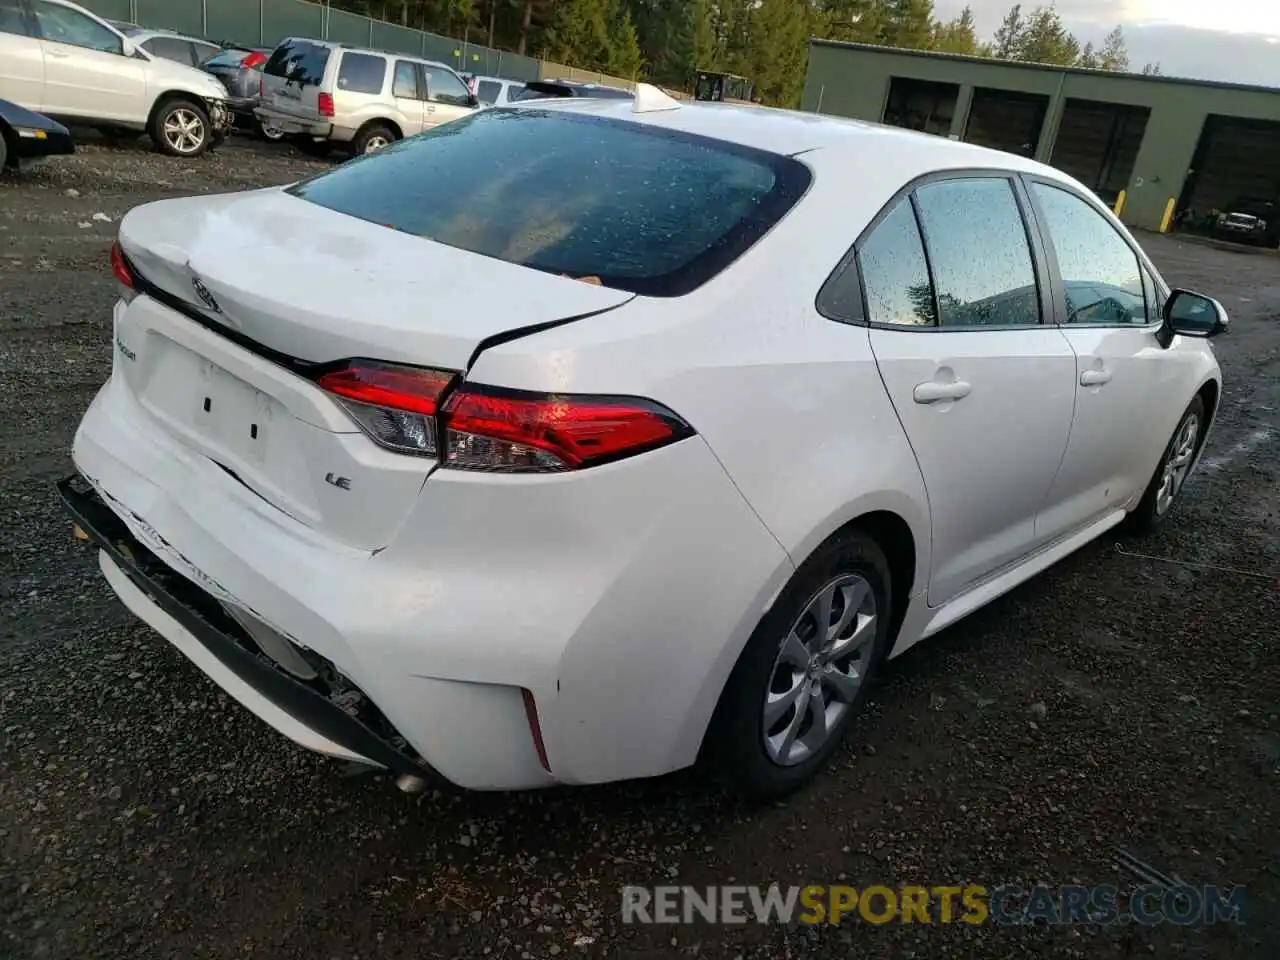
{"type": "Point", "coordinates": [1248, 220]}
{"type": "Point", "coordinates": [328, 94]}
{"type": "Point", "coordinates": [169, 45]}
{"type": "Point", "coordinates": [497, 91]}
{"type": "Point", "coordinates": [25, 135]}
{"type": "Point", "coordinates": [462, 467]}
{"type": "Point", "coordinates": [65, 62]}
{"type": "Point", "coordinates": [240, 70]}
{"type": "Point", "coordinates": [542, 89]}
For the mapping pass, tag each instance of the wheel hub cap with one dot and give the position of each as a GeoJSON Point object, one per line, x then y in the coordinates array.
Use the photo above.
{"type": "Point", "coordinates": [819, 670]}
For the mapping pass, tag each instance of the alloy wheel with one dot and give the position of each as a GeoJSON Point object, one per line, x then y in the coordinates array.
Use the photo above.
{"type": "Point", "coordinates": [184, 130]}
{"type": "Point", "coordinates": [375, 143]}
{"type": "Point", "coordinates": [1178, 463]}
{"type": "Point", "coordinates": [819, 670]}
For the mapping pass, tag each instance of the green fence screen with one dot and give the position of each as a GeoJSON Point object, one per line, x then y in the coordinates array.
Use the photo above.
{"type": "Point", "coordinates": [265, 23]}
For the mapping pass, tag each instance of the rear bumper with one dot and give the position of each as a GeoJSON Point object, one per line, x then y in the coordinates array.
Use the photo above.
{"type": "Point", "coordinates": [295, 126]}
{"type": "Point", "coordinates": [619, 597]}
{"type": "Point", "coordinates": [195, 623]}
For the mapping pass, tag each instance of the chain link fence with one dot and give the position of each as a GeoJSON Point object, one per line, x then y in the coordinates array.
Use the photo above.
{"type": "Point", "coordinates": [264, 23]}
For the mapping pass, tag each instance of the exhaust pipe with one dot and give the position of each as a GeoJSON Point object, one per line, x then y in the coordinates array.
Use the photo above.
{"type": "Point", "coordinates": [408, 783]}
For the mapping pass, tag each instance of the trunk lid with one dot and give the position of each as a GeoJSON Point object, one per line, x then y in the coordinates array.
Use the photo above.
{"type": "Point", "coordinates": [281, 284]}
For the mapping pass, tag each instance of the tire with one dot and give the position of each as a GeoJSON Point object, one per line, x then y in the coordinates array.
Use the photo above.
{"type": "Point", "coordinates": [180, 127]}
{"type": "Point", "coordinates": [1174, 466]}
{"type": "Point", "coordinates": [752, 753]}
{"type": "Point", "coordinates": [372, 138]}
{"type": "Point", "coordinates": [268, 133]}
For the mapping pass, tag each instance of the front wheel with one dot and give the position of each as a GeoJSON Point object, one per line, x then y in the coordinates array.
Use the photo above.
{"type": "Point", "coordinates": [1172, 472]}
{"type": "Point", "coordinates": [794, 692]}
{"type": "Point", "coordinates": [181, 128]}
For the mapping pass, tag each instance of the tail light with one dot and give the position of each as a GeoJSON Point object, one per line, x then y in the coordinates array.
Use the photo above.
{"type": "Point", "coordinates": [325, 104]}
{"type": "Point", "coordinates": [123, 274]}
{"type": "Point", "coordinates": [473, 427]}
{"type": "Point", "coordinates": [253, 60]}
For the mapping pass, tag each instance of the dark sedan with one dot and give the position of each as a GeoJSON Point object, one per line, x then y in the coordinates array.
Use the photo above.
{"type": "Point", "coordinates": [25, 135]}
{"type": "Point", "coordinates": [240, 70]}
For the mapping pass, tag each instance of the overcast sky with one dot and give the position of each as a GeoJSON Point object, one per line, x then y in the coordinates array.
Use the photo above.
{"type": "Point", "coordinates": [1235, 40]}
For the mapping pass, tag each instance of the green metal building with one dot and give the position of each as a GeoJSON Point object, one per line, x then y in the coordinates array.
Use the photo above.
{"type": "Point", "coordinates": [1196, 143]}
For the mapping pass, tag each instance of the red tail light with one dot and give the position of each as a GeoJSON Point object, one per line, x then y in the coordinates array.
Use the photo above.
{"type": "Point", "coordinates": [325, 104]}
{"type": "Point", "coordinates": [488, 428]}
{"type": "Point", "coordinates": [411, 410]}
{"type": "Point", "coordinates": [123, 275]}
{"type": "Point", "coordinates": [396, 406]}
{"type": "Point", "coordinates": [253, 60]}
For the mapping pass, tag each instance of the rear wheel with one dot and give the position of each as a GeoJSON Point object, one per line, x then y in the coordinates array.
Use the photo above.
{"type": "Point", "coordinates": [372, 138]}
{"type": "Point", "coordinates": [267, 131]}
{"type": "Point", "coordinates": [181, 128]}
{"type": "Point", "coordinates": [1172, 472]}
{"type": "Point", "coordinates": [794, 693]}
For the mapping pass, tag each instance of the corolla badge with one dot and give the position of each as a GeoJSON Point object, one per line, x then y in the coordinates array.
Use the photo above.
{"type": "Point", "coordinates": [205, 296]}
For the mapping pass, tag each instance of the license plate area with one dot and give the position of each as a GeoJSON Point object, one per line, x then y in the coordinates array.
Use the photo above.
{"type": "Point", "coordinates": [232, 415]}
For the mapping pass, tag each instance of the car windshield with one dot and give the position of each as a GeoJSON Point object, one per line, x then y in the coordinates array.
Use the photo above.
{"type": "Point", "coordinates": [623, 204]}
{"type": "Point", "coordinates": [227, 58]}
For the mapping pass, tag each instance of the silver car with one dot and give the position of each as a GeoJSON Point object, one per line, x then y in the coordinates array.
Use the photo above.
{"type": "Point", "coordinates": [328, 94]}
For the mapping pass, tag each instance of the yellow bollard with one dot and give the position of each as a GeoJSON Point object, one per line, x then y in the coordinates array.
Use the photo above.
{"type": "Point", "coordinates": [1168, 215]}
{"type": "Point", "coordinates": [1119, 203]}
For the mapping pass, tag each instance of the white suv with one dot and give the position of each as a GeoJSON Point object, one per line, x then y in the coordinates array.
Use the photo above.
{"type": "Point", "coordinates": [61, 60]}
{"type": "Point", "coordinates": [327, 93]}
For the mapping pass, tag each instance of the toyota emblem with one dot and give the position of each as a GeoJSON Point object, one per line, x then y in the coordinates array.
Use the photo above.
{"type": "Point", "coordinates": [206, 297]}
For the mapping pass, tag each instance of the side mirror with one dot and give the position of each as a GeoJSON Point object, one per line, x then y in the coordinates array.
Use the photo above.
{"type": "Point", "coordinates": [1193, 315]}
{"type": "Point", "coordinates": [128, 47]}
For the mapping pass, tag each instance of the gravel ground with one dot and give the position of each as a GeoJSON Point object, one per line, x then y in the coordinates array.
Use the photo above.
{"type": "Point", "coordinates": [1115, 701]}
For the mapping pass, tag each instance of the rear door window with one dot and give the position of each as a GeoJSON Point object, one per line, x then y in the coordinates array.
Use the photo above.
{"type": "Point", "coordinates": [300, 61]}
{"type": "Point", "coordinates": [488, 91]}
{"type": "Point", "coordinates": [361, 73]}
{"type": "Point", "coordinates": [986, 282]}
{"type": "Point", "coordinates": [653, 211]}
{"type": "Point", "coordinates": [405, 82]}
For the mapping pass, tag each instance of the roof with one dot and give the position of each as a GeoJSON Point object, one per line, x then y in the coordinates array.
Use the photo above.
{"type": "Point", "coordinates": [793, 132]}
{"type": "Point", "coordinates": [1042, 67]}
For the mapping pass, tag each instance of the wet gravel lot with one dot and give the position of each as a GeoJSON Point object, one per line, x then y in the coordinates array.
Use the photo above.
{"type": "Point", "coordinates": [1117, 701]}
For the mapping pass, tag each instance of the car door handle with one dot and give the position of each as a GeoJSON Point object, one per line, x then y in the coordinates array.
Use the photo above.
{"type": "Point", "coordinates": [934, 391]}
{"type": "Point", "coordinates": [1095, 377]}
{"type": "Point", "coordinates": [58, 54]}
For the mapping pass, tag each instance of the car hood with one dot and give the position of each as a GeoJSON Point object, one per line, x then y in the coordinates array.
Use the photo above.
{"type": "Point", "coordinates": [166, 73]}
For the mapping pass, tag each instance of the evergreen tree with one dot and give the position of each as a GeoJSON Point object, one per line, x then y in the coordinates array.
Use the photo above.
{"type": "Point", "coordinates": [623, 58]}
{"type": "Point", "coordinates": [1008, 38]}
{"type": "Point", "coordinates": [854, 21]}
{"type": "Point", "coordinates": [1088, 57]}
{"type": "Point", "coordinates": [957, 36]}
{"type": "Point", "coordinates": [1046, 40]}
{"type": "Point", "coordinates": [775, 59]}
{"type": "Point", "coordinates": [1115, 53]}
{"type": "Point", "coordinates": [909, 24]}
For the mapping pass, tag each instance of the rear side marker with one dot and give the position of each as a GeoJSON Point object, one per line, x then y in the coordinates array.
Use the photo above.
{"type": "Point", "coordinates": [535, 727]}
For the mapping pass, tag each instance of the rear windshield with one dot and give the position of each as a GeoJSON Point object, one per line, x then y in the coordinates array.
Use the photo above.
{"type": "Point", "coordinates": [298, 60]}
{"type": "Point", "coordinates": [227, 58]}
{"type": "Point", "coordinates": [635, 207]}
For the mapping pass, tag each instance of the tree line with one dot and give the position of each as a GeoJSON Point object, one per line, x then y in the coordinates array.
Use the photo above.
{"type": "Point", "coordinates": [766, 41]}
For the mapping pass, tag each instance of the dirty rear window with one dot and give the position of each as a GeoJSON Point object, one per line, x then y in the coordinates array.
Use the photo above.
{"type": "Point", "coordinates": [639, 208]}
{"type": "Point", "coordinates": [298, 60]}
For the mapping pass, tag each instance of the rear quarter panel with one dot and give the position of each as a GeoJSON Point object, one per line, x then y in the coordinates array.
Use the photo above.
{"type": "Point", "coordinates": [790, 402]}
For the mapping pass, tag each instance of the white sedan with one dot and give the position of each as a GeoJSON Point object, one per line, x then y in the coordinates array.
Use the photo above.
{"type": "Point", "coordinates": [583, 440]}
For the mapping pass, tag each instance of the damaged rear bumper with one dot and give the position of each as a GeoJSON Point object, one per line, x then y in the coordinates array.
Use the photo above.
{"type": "Point", "coordinates": [316, 713]}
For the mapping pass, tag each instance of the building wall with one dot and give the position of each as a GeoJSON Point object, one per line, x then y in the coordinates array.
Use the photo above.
{"type": "Point", "coordinates": [852, 81]}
